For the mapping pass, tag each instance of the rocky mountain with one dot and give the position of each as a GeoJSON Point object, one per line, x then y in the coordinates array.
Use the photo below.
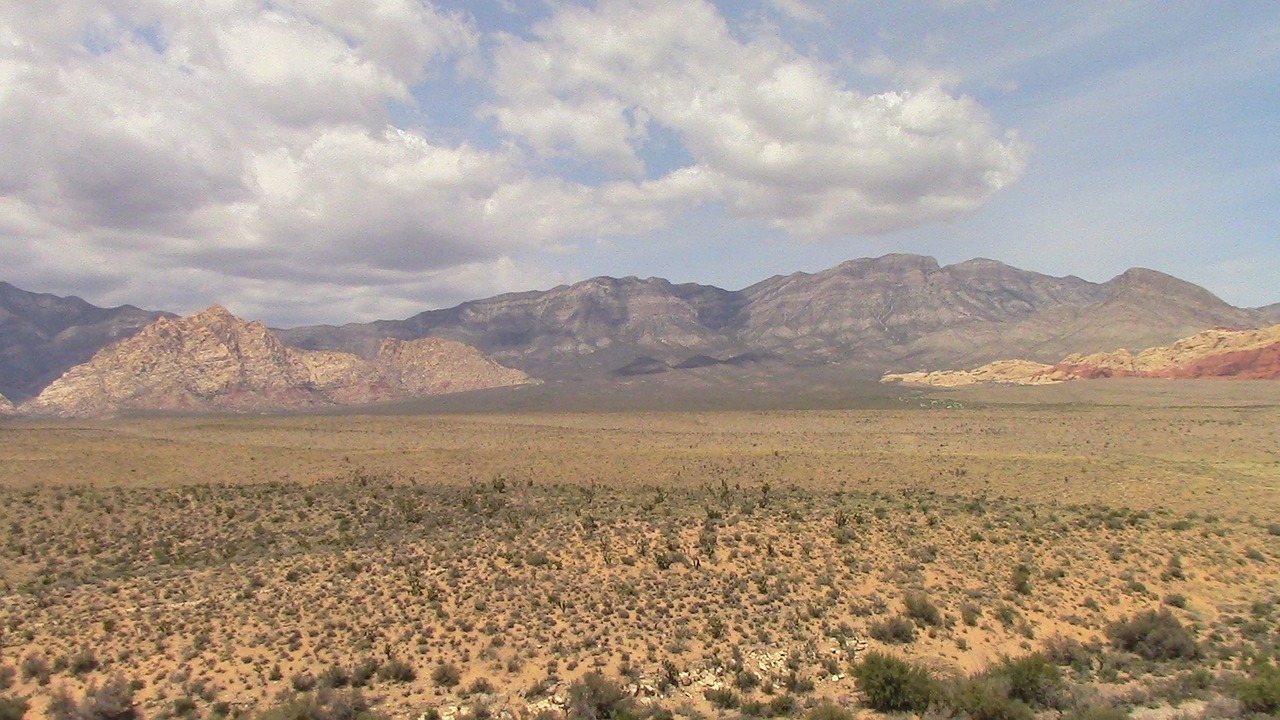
{"type": "Point", "coordinates": [1271, 312]}
{"type": "Point", "coordinates": [6, 407]}
{"type": "Point", "coordinates": [215, 361]}
{"type": "Point", "coordinates": [42, 336]}
{"type": "Point", "coordinates": [892, 312]}
{"type": "Point", "coordinates": [1252, 354]}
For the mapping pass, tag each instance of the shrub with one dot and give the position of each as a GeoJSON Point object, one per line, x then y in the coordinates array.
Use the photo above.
{"type": "Point", "coordinates": [446, 675]}
{"type": "Point", "coordinates": [324, 704]}
{"type": "Point", "coordinates": [1022, 579]}
{"type": "Point", "coordinates": [920, 608]}
{"type": "Point", "coordinates": [595, 697]}
{"type": "Point", "coordinates": [828, 711]}
{"type": "Point", "coordinates": [723, 698]}
{"type": "Point", "coordinates": [12, 708]}
{"type": "Point", "coordinates": [111, 701]}
{"type": "Point", "coordinates": [892, 685]}
{"type": "Point", "coordinates": [1154, 635]}
{"type": "Point", "coordinates": [1032, 680]}
{"type": "Point", "coordinates": [987, 698]}
{"type": "Point", "coordinates": [895, 631]}
{"type": "Point", "coordinates": [1260, 692]}
{"type": "Point", "coordinates": [395, 670]}
{"type": "Point", "coordinates": [1069, 652]}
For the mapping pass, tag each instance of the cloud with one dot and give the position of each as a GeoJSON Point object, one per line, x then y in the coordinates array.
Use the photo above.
{"type": "Point", "coordinates": [788, 143]}
{"type": "Point", "coordinates": [239, 145]}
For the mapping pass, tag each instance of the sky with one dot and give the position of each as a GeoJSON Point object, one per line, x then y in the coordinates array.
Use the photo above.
{"type": "Point", "coordinates": [329, 161]}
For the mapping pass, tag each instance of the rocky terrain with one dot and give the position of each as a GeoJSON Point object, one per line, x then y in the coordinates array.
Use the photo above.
{"type": "Point", "coordinates": [1252, 354]}
{"type": "Point", "coordinates": [215, 361]}
{"type": "Point", "coordinates": [892, 312]}
{"type": "Point", "coordinates": [6, 406]}
{"type": "Point", "coordinates": [42, 336]}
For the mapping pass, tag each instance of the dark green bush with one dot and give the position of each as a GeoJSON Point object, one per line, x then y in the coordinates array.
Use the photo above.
{"type": "Point", "coordinates": [890, 684]}
{"type": "Point", "coordinates": [1260, 692]}
{"type": "Point", "coordinates": [1032, 680]}
{"type": "Point", "coordinates": [1154, 635]}
{"type": "Point", "coordinates": [12, 708]}
{"type": "Point", "coordinates": [986, 698]}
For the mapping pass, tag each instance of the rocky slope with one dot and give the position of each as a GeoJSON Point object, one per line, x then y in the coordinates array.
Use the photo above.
{"type": "Point", "coordinates": [892, 312]}
{"type": "Point", "coordinates": [1217, 353]}
{"type": "Point", "coordinates": [6, 407]}
{"type": "Point", "coordinates": [215, 361]}
{"type": "Point", "coordinates": [42, 336]}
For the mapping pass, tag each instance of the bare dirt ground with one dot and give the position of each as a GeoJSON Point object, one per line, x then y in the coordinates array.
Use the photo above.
{"type": "Point", "coordinates": [475, 564]}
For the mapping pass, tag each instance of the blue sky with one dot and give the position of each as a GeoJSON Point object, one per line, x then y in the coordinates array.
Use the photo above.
{"type": "Point", "coordinates": [310, 161]}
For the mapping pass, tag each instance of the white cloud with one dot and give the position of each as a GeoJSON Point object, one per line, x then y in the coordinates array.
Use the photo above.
{"type": "Point", "coordinates": [789, 143]}
{"type": "Point", "coordinates": [232, 146]}
{"type": "Point", "coordinates": [798, 10]}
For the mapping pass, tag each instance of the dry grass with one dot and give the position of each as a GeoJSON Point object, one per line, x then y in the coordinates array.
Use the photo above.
{"type": "Point", "coordinates": [219, 561]}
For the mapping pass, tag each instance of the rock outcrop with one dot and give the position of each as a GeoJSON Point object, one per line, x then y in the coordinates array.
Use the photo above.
{"type": "Point", "coordinates": [1218, 353]}
{"type": "Point", "coordinates": [215, 361]}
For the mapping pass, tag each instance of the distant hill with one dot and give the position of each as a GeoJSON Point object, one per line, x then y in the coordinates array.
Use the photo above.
{"type": "Point", "coordinates": [216, 361]}
{"type": "Point", "coordinates": [42, 336]}
{"type": "Point", "coordinates": [892, 312]}
{"type": "Point", "coordinates": [1252, 354]}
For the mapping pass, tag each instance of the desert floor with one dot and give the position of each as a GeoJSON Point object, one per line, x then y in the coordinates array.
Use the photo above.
{"type": "Point", "coordinates": [478, 563]}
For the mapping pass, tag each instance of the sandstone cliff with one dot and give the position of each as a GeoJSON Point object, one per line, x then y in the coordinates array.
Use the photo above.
{"type": "Point", "coordinates": [1217, 353]}
{"type": "Point", "coordinates": [215, 361]}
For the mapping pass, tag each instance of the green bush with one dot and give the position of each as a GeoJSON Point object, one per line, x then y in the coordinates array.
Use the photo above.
{"type": "Point", "coordinates": [919, 607]}
{"type": "Point", "coordinates": [723, 698]}
{"type": "Point", "coordinates": [987, 698]}
{"type": "Point", "coordinates": [12, 708]}
{"type": "Point", "coordinates": [890, 684]}
{"type": "Point", "coordinates": [1032, 680]}
{"type": "Point", "coordinates": [895, 631]}
{"type": "Point", "coordinates": [595, 697]}
{"type": "Point", "coordinates": [1154, 635]}
{"type": "Point", "coordinates": [1260, 692]}
{"type": "Point", "coordinates": [324, 704]}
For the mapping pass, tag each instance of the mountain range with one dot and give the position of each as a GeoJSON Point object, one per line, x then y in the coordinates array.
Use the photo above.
{"type": "Point", "coordinates": [892, 312]}
{"type": "Point", "coordinates": [870, 315]}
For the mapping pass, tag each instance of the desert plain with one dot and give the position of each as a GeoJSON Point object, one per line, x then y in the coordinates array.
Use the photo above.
{"type": "Point", "coordinates": [716, 563]}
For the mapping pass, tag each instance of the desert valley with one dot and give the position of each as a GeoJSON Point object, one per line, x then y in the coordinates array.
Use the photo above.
{"type": "Point", "coordinates": [627, 498]}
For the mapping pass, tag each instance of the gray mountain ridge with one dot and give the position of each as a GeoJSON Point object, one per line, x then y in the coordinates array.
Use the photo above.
{"type": "Point", "coordinates": [897, 312]}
